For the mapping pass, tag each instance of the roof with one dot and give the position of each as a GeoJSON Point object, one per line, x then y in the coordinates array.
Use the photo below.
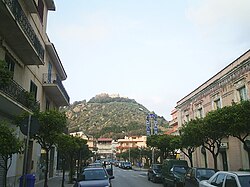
{"type": "Point", "coordinates": [104, 139]}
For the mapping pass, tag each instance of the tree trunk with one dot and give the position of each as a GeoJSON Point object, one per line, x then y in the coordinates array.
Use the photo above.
{"type": "Point", "coordinates": [71, 172]}
{"type": "Point", "coordinates": [63, 170]}
{"type": "Point", "coordinates": [190, 157]}
{"type": "Point", "coordinates": [248, 158]}
{"type": "Point", "coordinates": [47, 168]}
{"type": "Point", "coordinates": [215, 161]}
{"type": "Point", "coordinates": [5, 170]}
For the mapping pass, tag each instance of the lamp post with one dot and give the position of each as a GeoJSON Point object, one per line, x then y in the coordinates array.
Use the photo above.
{"type": "Point", "coordinates": [140, 148]}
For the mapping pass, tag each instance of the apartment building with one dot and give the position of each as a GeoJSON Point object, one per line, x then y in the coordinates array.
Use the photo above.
{"type": "Point", "coordinates": [104, 148]}
{"type": "Point", "coordinates": [130, 142]}
{"type": "Point", "coordinates": [231, 84]}
{"type": "Point", "coordinates": [173, 124]}
{"type": "Point", "coordinates": [37, 69]}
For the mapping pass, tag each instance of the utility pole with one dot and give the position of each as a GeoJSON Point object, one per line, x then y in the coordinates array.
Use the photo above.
{"type": "Point", "coordinates": [151, 129]}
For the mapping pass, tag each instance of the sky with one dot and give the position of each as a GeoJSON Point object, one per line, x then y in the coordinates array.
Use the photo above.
{"type": "Point", "coordinates": [153, 51]}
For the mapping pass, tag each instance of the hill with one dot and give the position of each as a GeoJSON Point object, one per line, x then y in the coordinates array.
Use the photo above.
{"type": "Point", "coordinates": [110, 116]}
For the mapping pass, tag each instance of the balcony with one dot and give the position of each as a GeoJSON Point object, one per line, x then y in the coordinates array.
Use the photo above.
{"type": "Point", "coordinates": [15, 100]}
{"type": "Point", "coordinates": [54, 88]}
{"type": "Point", "coordinates": [18, 33]}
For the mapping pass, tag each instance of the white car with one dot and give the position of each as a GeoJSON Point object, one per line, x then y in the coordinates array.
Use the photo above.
{"type": "Point", "coordinates": [228, 179]}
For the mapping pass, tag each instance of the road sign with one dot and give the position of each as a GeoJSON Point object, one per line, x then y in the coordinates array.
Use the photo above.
{"type": "Point", "coordinates": [34, 126]}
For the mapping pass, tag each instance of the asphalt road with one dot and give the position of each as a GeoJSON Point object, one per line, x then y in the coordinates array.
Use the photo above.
{"type": "Point", "coordinates": [131, 178]}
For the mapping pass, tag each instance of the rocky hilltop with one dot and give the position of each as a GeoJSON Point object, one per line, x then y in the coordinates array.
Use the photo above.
{"type": "Point", "coordinates": [110, 116]}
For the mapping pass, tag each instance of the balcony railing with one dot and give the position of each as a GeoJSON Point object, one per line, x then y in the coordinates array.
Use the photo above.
{"type": "Point", "coordinates": [14, 91]}
{"type": "Point", "coordinates": [54, 79]}
{"type": "Point", "coordinates": [23, 21]}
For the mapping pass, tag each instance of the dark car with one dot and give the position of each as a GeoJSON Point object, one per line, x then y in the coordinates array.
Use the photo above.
{"type": "Point", "coordinates": [95, 165]}
{"type": "Point", "coordinates": [195, 175]}
{"type": "Point", "coordinates": [173, 172]}
{"type": "Point", "coordinates": [109, 167]}
{"type": "Point", "coordinates": [154, 172]}
{"type": "Point", "coordinates": [94, 177]}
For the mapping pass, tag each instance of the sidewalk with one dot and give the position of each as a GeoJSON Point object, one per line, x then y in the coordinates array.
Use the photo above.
{"type": "Point", "coordinates": [55, 182]}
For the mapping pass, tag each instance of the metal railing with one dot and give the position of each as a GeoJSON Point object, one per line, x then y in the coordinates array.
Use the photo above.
{"type": "Point", "coordinates": [20, 95]}
{"type": "Point", "coordinates": [54, 79]}
{"type": "Point", "coordinates": [23, 21]}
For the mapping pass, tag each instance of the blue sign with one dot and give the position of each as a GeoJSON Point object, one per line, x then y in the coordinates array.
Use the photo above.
{"type": "Point", "coordinates": [148, 125]}
{"type": "Point", "coordinates": [148, 130]}
{"type": "Point", "coordinates": [155, 129]}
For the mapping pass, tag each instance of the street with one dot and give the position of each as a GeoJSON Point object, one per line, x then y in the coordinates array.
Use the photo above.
{"type": "Point", "coordinates": [131, 178]}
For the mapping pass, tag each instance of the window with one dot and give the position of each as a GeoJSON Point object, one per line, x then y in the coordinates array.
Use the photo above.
{"type": "Point", "coordinates": [218, 180]}
{"type": "Point", "coordinates": [217, 104]}
{"type": "Point", "coordinates": [47, 104]}
{"type": "Point", "coordinates": [187, 117]}
{"type": "Point", "coordinates": [244, 180]}
{"type": "Point", "coordinates": [199, 113]}
{"type": "Point", "coordinates": [10, 62]}
{"type": "Point", "coordinates": [230, 181]}
{"type": "Point", "coordinates": [33, 89]}
{"type": "Point", "coordinates": [242, 93]}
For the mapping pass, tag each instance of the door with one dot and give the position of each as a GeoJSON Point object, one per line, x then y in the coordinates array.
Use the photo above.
{"type": "Point", "coordinates": [224, 160]}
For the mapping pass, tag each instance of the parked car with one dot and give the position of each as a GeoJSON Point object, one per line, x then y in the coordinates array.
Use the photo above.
{"type": "Point", "coordinates": [154, 172]}
{"type": "Point", "coordinates": [120, 164]}
{"type": "Point", "coordinates": [109, 167]}
{"type": "Point", "coordinates": [227, 179]}
{"type": "Point", "coordinates": [94, 177]}
{"type": "Point", "coordinates": [173, 172]}
{"type": "Point", "coordinates": [195, 175]}
{"type": "Point", "coordinates": [95, 164]}
{"type": "Point", "coordinates": [127, 165]}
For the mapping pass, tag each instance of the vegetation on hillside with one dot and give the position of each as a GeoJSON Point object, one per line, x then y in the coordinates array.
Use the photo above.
{"type": "Point", "coordinates": [106, 116]}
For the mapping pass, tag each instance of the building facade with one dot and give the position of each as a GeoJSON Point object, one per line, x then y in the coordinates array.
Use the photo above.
{"type": "Point", "coordinates": [230, 85]}
{"type": "Point", "coordinates": [173, 124]}
{"type": "Point", "coordinates": [36, 69]}
{"type": "Point", "coordinates": [130, 142]}
{"type": "Point", "coordinates": [104, 148]}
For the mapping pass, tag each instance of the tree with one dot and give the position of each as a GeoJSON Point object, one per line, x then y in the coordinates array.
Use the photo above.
{"type": "Point", "coordinates": [52, 123]}
{"type": "Point", "coordinates": [64, 145]}
{"type": "Point", "coordinates": [162, 142]}
{"type": "Point", "coordinates": [134, 154]}
{"type": "Point", "coordinates": [239, 123]}
{"type": "Point", "coordinates": [214, 129]}
{"type": "Point", "coordinates": [9, 145]}
{"type": "Point", "coordinates": [71, 148]}
{"type": "Point", "coordinates": [82, 152]}
{"type": "Point", "coordinates": [190, 138]}
{"type": "Point", "coordinates": [174, 145]}
{"type": "Point", "coordinates": [146, 153]}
